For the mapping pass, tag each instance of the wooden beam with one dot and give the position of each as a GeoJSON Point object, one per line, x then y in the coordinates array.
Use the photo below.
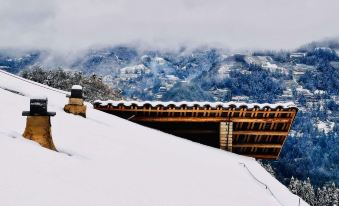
{"type": "Point", "coordinates": [211, 119]}
{"type": "Point", "coordinates": [249, 132]}
{"type": "Point", "coordinates": [229, 136]}
{"type": "Point", "coordinates": [223, 135]}
{"type": "Point", "coordinates": [262, 156]}
{"type": "Point", "coordinates": [258, 145]}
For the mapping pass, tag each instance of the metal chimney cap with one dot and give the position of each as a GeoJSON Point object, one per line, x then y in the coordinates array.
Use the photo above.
{"type": "Point", "coordinates": [76, 92]}
{"type": "Point", "coordinates": [38, 107]}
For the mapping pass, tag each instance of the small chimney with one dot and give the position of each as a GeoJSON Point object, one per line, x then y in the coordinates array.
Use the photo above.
{"type": "Point", "coordinates": [76, 102]}
{"type": "Point", "coordinates": [38, 123]}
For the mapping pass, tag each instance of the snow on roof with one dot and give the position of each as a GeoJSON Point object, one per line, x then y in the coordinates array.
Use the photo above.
{"type": "Point", "coordinates": [77, 87]}
{"type": "Point", "coordinates": [284, 105]}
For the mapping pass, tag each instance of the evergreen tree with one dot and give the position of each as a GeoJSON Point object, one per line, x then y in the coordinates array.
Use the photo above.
{"type": "Point", "coordinates": [325, 196]}
{"type": "Point", "coordinates": [333, 194]}
{"type": "Point", "coordinates": [322, 196]}
{"type": "Point", "coordinates": [295, 186]}
{"type": "Point", "coordinates": [307, 192]}
{"type": "Point", "coordinates": [94, 87]}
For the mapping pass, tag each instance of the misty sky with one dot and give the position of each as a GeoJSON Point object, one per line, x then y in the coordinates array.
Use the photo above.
{"type": "Point", "coordinates": [238, 24]}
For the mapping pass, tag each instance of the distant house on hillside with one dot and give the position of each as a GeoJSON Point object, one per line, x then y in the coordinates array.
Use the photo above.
{"type": "Point", "coordinates": [309, 96]}
{"type": "Point", "coordinates": [258, 60]}
{"type": "Point", "coordinates": [240, 98]}
{"type": "Point", "coordinates": [335, 98]}
{"type": "Point", "coordinates": [286, 96]}
{"type": "Point", "coordinates": [221, 94]}
{"type": "Point", "coordinates": [265, 62]}
{"type": "Point", "coordinates": [168, 81]}
{"type": "Point", "coordinates": [162, 89]}
{"type": "Point", "coordinates": [335, 64]}
{"type": "Point", "coordinates": [225, 70]}
{"type": "Point", "coordinates": [300, 69]}
{"type": "Point", "coordinates": [133, 72]}
{"type": "Point", "coordinates": [297, 55]}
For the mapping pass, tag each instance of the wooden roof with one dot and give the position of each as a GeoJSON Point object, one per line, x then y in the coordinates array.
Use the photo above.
{"type": "Point", "coordinates": [259, 130]}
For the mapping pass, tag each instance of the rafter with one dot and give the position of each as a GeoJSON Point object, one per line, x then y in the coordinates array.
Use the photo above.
{"type": "Point", "coordinates": [264, 145]}
{"type": "Point", "coordinates": [210, 119]}
{"type": "Point", "coordinates": [249, 132]}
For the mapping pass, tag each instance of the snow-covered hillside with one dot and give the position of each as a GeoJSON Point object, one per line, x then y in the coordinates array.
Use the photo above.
{"type": "Point", "coordinates": [105, 160]}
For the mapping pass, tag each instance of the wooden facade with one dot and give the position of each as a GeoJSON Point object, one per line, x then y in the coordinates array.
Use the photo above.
{"type": "Point", "coordinates": [256, 130]}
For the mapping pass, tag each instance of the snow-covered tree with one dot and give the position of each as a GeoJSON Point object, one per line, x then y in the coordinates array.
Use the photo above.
{"type": "Point", "coordinates": [295, 186]}
{"type": "Point", "coordinates": [333, 193]}
{"type": "Point", "coordinates": [307, 192]}
{"type": "Point", "coordinates": [93, 85]}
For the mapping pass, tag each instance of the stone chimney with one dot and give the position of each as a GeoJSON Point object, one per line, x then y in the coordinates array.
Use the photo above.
{"type": "Point", "coordinates": [76, 102]}
{"type": "Point", "coordinates": [38, 123]}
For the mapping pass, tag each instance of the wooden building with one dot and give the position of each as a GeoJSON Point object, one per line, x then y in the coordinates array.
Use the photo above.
{"type": "Point", "coordinates": [256, 130]}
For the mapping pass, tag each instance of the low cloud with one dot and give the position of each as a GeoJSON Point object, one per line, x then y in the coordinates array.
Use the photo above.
{"type": "Point", "coordinates": [238, 24]}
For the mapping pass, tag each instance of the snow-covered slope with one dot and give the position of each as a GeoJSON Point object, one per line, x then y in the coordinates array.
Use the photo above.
{"type": "Point", "coordinates": [105, 160]}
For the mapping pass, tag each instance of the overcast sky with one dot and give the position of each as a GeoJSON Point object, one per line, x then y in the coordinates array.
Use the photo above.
{"type": "Point", "coordinates": [66, 24]}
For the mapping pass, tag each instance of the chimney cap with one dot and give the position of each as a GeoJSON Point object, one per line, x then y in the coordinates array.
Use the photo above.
{"type": "Point", "coordinates": [38, 107]}
{"type": "Point", "coordinates": [76, 92]}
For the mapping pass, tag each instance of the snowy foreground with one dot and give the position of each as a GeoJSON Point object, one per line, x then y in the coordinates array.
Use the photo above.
{"type": "Point", "coordinates": [105, 160]}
